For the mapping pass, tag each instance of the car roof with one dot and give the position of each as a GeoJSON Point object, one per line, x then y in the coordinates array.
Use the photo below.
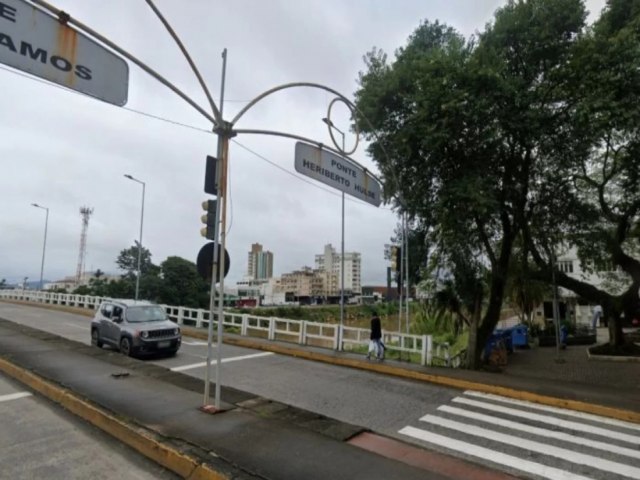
{"type": "Point", "coordinates": [125, 302]}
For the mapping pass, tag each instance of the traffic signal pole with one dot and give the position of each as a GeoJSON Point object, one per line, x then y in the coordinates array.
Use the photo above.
{"type": "Point", "coordinates": [223, 143]}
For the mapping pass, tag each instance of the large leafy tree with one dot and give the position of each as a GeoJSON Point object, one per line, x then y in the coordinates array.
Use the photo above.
{"type": "Point", "coordinates": [595, 184]}
{"type": "Point", "coordinates": [181, 284]}
{"type": "Point", "coordinates": [460, 130]}
{"type": "Point", "coordinates": [127, 261]}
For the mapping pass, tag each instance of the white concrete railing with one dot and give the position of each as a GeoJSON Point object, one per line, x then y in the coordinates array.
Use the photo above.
{"type": "Point", "coordinates": [301, 332]}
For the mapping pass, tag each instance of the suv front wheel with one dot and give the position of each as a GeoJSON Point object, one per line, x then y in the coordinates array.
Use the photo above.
{"type": "Point", "coordinates": [125, 346]}
{"type": "Point", "coordinates": [95, 338]}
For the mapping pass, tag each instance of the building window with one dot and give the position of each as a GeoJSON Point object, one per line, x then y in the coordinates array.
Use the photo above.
{"type": "Point", "coordinates": [565, 266]}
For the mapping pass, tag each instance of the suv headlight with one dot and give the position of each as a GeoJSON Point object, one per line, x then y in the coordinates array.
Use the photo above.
{"type": "Point", "coordinates": [144, 334]}
{"type": "Point", "coordinates": [176, 331]}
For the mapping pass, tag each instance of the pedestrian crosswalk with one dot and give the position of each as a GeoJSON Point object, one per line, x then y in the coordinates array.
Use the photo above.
{"type": "Point", "coordinates": [530, 440]}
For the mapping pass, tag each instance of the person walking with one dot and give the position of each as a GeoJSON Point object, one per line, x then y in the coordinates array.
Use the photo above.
{"type": "Point", "coordinates": [375, 343]}
{"type": "Point", "coordinates": [597, 315]}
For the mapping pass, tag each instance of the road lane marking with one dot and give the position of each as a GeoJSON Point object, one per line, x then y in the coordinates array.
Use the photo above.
{"type": "Point", "coordinates": [224, 360]}
{"type": "Point", "coordinates": [83, 327]}
{"type": "Point", "coordinates": [569, 413]}
{"type": "Point", "coordinates": [196, 343]}
{"type": "Point", "coordinates": [558, 422]}
{"type": "Point", "coordinates": [543, 432]}
{"type": "Point", "coordinates": [14, 396]}
{"type": "Point", "coordinates": [533, 446]}
{"type": "Point", "coordinates": [518, 463]}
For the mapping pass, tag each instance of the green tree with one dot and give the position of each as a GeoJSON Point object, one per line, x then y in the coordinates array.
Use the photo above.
{"type": "Point", "coordinates": [3, 284]}
{"type": "Point", "coordinates": [523, 292]}
{"type": "Point", "coordinates": [181, 284]}
{"type": "Point", "coordinates": [123, 288]}
{"type": "Point", "coordinates": [596, 184]}
{"type": "Point", "coordinates": [83, 290]}
{"type": "Point", "coordinates": [128, 261]}
{"type": "Point", "coordinates": [460, 131]}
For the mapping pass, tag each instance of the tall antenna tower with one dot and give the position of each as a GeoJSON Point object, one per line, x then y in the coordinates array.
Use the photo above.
{"type": "Point", "coordinates": [85, 213]}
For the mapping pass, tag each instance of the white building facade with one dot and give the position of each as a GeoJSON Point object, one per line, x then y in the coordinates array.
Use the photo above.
{"type": "Point", "coordinates": [331, 262]}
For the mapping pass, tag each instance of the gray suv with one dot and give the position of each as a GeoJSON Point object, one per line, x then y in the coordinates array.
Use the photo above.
{"type": "Point", "coordinates": [136, 328]}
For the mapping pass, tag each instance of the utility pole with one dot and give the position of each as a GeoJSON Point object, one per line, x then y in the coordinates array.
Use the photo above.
{"type": "Point", "coordinates": [218, 260]}
{"type": "Point", "coordinates": [44, 246]}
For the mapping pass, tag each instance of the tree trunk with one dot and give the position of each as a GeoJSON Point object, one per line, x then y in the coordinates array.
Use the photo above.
{"type": "Point", "coordinates": [473, 351]}
{"type": "Point", "coordinates": [616, 336]}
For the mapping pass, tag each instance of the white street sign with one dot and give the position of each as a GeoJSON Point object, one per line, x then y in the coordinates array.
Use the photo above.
{"type": "Point", "coordinates": [337, 172]}
{"type": "Point", "coordinates": [35, 42]}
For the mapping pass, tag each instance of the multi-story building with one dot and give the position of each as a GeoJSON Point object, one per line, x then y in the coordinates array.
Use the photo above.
{"type": "Point", "coordinates": [330, 262]}
{"type": "Point", "coordinates": [260, 263]}
{"type": "Point", "coordinates": [571, 306]}
{"type": "Point", "coordinates": [303, 285]}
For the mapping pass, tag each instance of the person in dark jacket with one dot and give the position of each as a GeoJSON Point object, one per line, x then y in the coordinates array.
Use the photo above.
{"type": "Point", "coordinates": [376, 338]}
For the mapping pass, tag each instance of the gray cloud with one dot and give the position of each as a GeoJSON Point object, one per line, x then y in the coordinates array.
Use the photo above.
{"type": "Point", "coordinates": [65, 150]}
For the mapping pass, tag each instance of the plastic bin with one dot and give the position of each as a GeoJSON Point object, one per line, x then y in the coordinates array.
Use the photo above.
{"type": "Point", "coordinates": [506, 335]}
{"type": "Point", "coordinates": [520, 336]}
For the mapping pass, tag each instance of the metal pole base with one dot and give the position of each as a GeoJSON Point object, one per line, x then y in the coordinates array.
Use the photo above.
{"type": "Point", "coordinates": [211, 409]}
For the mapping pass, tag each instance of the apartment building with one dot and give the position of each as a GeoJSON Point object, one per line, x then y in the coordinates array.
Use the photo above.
{"type": "Point", "coordinates": [259, 263]}
{"type": "Point", "coordinates": [330, 262]}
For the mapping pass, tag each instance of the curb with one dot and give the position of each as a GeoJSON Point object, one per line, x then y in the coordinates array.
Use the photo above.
{"type": "Point", "coordinates": [610, 358]}
{"type": "Point", "coordinates": [594, 409]}
{"type": "Point", "coordinates": [144, 442]}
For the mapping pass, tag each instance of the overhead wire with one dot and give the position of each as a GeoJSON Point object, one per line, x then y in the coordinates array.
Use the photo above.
{"type": "Point", "coordinates": [199, 129]}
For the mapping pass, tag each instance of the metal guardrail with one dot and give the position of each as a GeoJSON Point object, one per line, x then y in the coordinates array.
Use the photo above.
{"type": "Point", "coordinates": [301, 332]}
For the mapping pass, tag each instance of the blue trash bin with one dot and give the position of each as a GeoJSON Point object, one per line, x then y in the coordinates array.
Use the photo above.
{"type": "Point", "coordinates": [506, 335]}
{"type": "Point", "coordinates": [520, 335]}
{"type": "Point", "coordinates": [564, 333]}
{"type": "Point", "coordinates": [492, 342]}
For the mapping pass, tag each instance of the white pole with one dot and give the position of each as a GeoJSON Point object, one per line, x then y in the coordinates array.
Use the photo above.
{"type": "Point", "coordinates": [44, 246]}
{"type": "Point", "coordinates": [223, 212]}
{"type": "Point", "coordinates": [406, 270]}
{"type": "Point", "coordinates": [342, 271]}
{"type": "Point", "coordinates": [217, 264]}
{"type": "Point", "coordinates": [140, 243]}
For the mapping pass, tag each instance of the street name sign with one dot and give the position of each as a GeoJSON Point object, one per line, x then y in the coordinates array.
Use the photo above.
{"type": "Point", "coordinates": [337, 172]}
{"type": "Point", "coordinates": [40, 44]}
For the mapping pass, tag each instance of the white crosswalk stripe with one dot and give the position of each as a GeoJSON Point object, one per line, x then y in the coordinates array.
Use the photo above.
{"type": "Point", "coordinates": [558, 422]}
{"type": "Point", "coordinates": [545, 408]}
{"type": "Point", "coordinates": [517, 435]}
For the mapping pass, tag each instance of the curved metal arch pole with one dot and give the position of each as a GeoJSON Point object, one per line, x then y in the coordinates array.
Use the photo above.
{"type": "Point", "coordinates": [284, 87]}
{"type": "Point", "coordinates": [305, 139]}
{"type": "Point", "coordinates": [338, 94]}
{"type": "Point", "coordinates": [216, 113]}
{"type": "Point", "coordinates": [57, 12]}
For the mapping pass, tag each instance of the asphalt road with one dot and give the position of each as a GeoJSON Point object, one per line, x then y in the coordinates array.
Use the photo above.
{"type": "Point", "coordinates": [41, 440]}
{"type": "Point", "coordinates": [526, 440]}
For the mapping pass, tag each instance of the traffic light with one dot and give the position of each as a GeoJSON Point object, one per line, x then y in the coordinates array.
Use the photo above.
{"type": "Point", "coordinates": [210, 178]}
{"type": "Point", "coordinates": [209, 219]}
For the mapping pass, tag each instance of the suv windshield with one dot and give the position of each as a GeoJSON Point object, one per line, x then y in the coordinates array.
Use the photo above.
{"type": "Point", "coordinates": [145, 314]}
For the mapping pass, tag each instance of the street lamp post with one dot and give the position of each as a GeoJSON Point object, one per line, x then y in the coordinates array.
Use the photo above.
{"type": "Point", "coordinates": [140, 242]}
{"type": "Point", "coordinates": [44, 246]}
{"type": "Point", "coordinates": [331, 125]}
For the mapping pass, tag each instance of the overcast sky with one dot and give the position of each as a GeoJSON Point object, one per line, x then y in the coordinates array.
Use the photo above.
{"type": "Point", "coordinates": [65, 150]}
